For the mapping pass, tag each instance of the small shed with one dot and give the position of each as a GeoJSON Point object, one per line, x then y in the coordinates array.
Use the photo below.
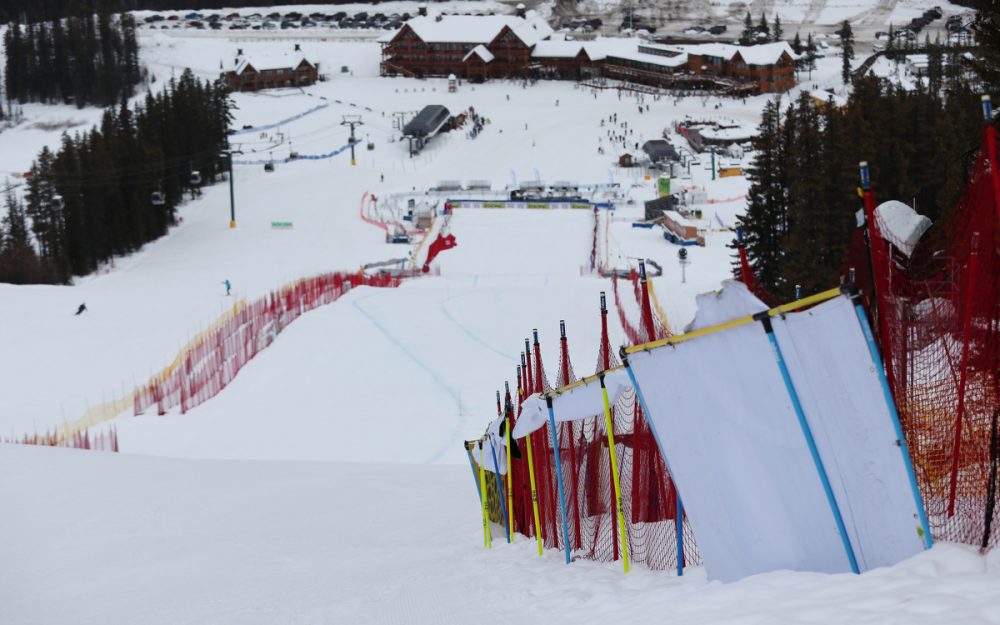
{"type": "Point", "coordinates": [680, 230]}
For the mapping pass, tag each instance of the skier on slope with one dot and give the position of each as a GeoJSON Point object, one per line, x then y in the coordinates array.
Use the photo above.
{"type": "Point", "coordinates": [228, 285]}
{"type": "Point", "coordinates": [81, 309]}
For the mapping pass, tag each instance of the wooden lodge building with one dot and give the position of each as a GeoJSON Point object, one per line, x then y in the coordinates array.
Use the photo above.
{"type": "Point", "coordinates": [477, 48]}
{"type": "Point", "coordinates": [470, 46]}
{"type": "Point", "coordinates": [251, 73]}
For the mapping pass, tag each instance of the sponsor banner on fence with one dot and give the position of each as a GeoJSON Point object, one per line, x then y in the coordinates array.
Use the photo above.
{"type": "Point", "coordinates": [524, 204]}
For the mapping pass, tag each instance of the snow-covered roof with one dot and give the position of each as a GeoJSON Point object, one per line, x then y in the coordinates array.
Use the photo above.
{"type": "Point", "coordinates": [481, 52]}
{"type": "Point", "coordinates": [633, 54]}
{"type": "Point", "coordinates": [724, 51]}
{"type": "Point", "coordinates": [477, 28]}
{"type": "Point", "coordinates": [766, 54]}
{"type": "Point", "coordinates": [557, 49]}
{"type": "Point", "coordinates": [270, 60]}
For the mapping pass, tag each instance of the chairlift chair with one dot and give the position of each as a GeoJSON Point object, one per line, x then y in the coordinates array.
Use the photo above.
{"type": "Point", "coordinates": [371, 145]}
{"type": "Point", "coordinates": [195, 177]}
{"type": "Point", "coordinates": [157, 199]}
{"type": "Point", "coordinates": [57, 202]}
{"type": "Point", "coordinates": [268, 166]}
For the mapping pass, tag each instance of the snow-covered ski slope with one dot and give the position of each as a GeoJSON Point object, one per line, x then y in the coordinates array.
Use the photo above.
{"type": "Point", "coordinates": [148, 305]}
{"type": "Point", "coordinates": [384, 383]}
{"type": "Point", "coordinates": [103, 539]}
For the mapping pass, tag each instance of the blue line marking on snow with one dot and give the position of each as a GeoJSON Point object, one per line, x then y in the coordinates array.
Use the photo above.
{"type": "Point", "coordinates": [467, 332]}
{"type": "Point", "coordinates": [421, 364]}
{"type": "Point", "coordinates": [300, 157]}
{"type": "Point", "coordinates": [287, 120]}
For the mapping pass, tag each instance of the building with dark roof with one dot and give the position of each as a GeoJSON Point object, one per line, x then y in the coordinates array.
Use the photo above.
{"type": "Point", "coordinates": [660, 150]}
{"type": "Point", "coordinates": [427, 122]}
{"type": "Point", "coordinates": [259, 71]}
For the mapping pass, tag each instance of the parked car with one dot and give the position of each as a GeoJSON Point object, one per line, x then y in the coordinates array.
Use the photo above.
{"type": "Point", "coordinates": [717, 30]}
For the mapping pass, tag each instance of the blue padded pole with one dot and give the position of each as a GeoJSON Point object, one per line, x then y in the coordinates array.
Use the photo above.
{"type": "Point", "coordinates": [679, 517]}
{"type": "Point", "coordinates": [475, 474]}
{"type": "Point", "coordinates": [503, 500]}
{"type": "Point", "coordinates": [765, 319]}
{"type": "Point", "coordinates": [900, 438]}
{"type": "Point", "coordinates": [559, 479]}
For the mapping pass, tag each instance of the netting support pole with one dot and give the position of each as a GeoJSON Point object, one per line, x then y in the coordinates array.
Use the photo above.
{"type": "Point", "coordinates": [991, 145]}
{"type": "Point", "coordinates": [573, 466]}
{"type": "Point", "coordinates": [970, 289]}
{"type": "Point", "coordinates": [745, 273]}
{"type": "Point", "coordinates": [487, 532]}
{"type": "Point", "coordinates": [838, 518]}
{"type": "Point", "coordinates": [503, 500]}
{"type": "Point", "coordinates": [559, 479]}
{"type": "Point", "coordinates": [991, 488]}
{"type": "Point", "coordinates": [891, 405]}
{"type": "Point", "coordinates": [475, 474]}
{"type": "Point", "coordinates": [510, 472]}
{"type": "Point", "coordinates": [647, 311]}
{"type": "Point", "coordinates": [879, 269]}
{"type": "Point", "coordinates": [679, 513]}
{"type": "Point", "coordinates": [605, 343]}
{"type": "Point", "coordinates": [619, 509]}
{"type": "Point", "coordinates": [534, 495]}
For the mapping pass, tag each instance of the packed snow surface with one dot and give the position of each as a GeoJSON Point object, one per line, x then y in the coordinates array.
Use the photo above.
{"type": "Point", "coordinates": [101, 538]}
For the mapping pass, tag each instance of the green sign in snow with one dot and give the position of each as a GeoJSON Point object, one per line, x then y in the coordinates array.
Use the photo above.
{"type": "Point", "coordinates": [282, 225]}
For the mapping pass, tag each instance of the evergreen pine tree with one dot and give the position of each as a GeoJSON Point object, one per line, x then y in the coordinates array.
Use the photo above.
{"type": "Point", "coordinates": [777, 33]}
{"type": "Point", "coordinates": [763, 31]}
{"type": "Point", "coordinates": [847, 45]}
{"type": "Point", "coordinates": [986, 28]}
{"type": "Point", "coordinates": [797, 43]}
{"type": "Point", "coordinates": [747, 37]}
{"type": "Point", "coordinates": [764, 220]}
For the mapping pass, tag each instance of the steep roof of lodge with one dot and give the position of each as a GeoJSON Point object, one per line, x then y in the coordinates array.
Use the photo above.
{"type": "Point", "coordinates": [270, 60]}
{"type": "Point", "coordinates": [475, 28]}
{"type": "Point", "coordinates": [481, 52]}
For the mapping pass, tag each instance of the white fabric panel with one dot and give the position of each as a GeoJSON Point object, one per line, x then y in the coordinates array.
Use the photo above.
{"type": "Point", "coordinates": [738, 454]}
{"type": "Point", "coordinates": [493, 442]}
{"type": "Point", "coordinates": [842, 397]}
{"type": "Point", "coordinates": [733, 301]}
{"type": "Point", "coordinates": [578, 403]}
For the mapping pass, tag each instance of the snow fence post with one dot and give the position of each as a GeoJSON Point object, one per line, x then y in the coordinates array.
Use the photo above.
{"type": "Point", "coordinates": [472, 465]}
{"type": "Point", "coordinates": [503, 503]}
{"type": "Point", "coordinates": [559, 478]}
{"type": "Point", "coordinates": [679, 512]}
{"type": "Point", "coordinates": [614, 473]}
{"type": "Point", "coordinates": [487, 532]}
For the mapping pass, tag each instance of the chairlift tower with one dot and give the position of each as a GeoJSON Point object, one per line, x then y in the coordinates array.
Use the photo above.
{"type": "Point", "coordinates": [352, 121]}
{"type": "Point", "coordinates": [228, 153]}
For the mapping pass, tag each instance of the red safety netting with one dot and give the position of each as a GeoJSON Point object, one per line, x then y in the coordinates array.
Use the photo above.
{"type": "Point", "coordinates": [937, 316]}
{"type": "Point", "coordinates": [106, 440]}
{"type": "Point", "coordinates": [648, 495]}
{"type": "Point", "coordinates": [211, 360]}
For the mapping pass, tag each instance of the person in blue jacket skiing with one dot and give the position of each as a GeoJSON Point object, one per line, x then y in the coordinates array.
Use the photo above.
{"type": "Point", "coordinates": [228, 286]}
